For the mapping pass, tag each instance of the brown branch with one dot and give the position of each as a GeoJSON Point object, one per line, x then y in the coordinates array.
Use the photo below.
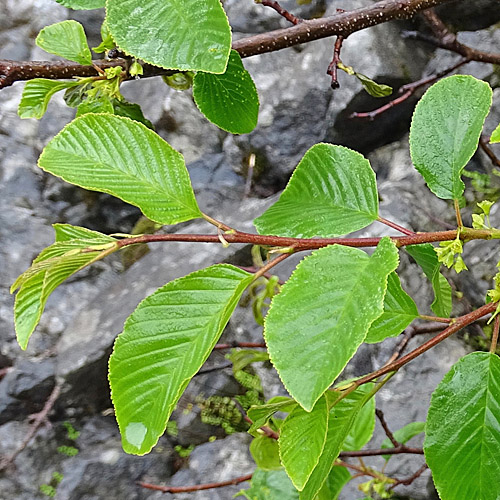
{"type": "Point", "coordinates": [494, 336]}
{"type": "Point", "coordinates": [281, 11]}
{"type": "Point", "coordinates": [198, 487]}
{"type": "Point", "coordinates": [38, 420]}
{"type": "Point", "coordinates": [361, 471]}
{"type": "Point", "coordinates": [395, 226]}
{"type": "Point", "coordinates": [301, 244]}
{"type": "Point", "coordinates": [388, 433]}
{"type": "Point", "coordinates": [483, 144]}
{"type": "Point", "coordinates": [343, 24]}
{"type": "Point", "coordinates": [457, 325]}
{"type": "Point", "coordinates": [398, 450]}
{"type": "Point", "coordinates": [409, 480]}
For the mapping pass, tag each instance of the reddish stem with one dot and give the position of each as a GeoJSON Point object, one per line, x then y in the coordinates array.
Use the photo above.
{"type": "Point", "coordinates": [281, 11]}
{"type": "Point", "coordinates": [395, 226]}
{"type": "Point", "coordinates": [249, 345]}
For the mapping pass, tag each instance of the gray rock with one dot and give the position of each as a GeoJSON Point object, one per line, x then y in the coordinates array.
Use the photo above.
{"type": "Point", "coordinates": [468, 15]}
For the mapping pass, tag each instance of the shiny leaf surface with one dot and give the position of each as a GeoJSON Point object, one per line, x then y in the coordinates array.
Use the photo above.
{"type": "Point", "coordinates": [163, 344]}
{"type": "Point", "coordinates": [445, 131]}
{"type": "Point", "coordinates": [137, 166]}
{"type": "Point", "coordinates": [332, 192]}
{"type": "Point", "coordinates": [311, 336]}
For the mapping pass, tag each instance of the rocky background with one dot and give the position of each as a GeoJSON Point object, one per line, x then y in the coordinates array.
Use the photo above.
{"type": "Point", "coordinates": [84, 315]}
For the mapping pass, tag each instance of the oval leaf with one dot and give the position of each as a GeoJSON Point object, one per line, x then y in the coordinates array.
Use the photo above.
{"type": "Point", "coordinates": [340, 421]}
{"type": "Point", "coordinates": [301, 442]}
{"type": "Point", "coordinates": [270, 485]}
{"type": "Point", "coordinates": [332, 192]}
{"type": "Point", "coordinates": [173, 34]}
{"type": "Point", "coordinates": [311, 336]}
{"type": "Point", "coordinates": [124, 158]}
{"type": "Point", "coordinates": [335, 482]}
{"type": "Point", "coordinates": [265, 452]}
{"type": "Point", "coordinates": [66, 39]}
{"type": "Point", "coordinates": [164, 343]}
{"type": "Point", "coordinates": [37, 94]}
{"type": "Point", "coordinates": [230, 100]}
{"type": "Point", "coordinates": [399, 311]}
{"type": "Point", "coordinates": [362, 428]}
{"type": "Point", "coordinates": [445, 131]}
{"type": "Point", "coordinates": [463, 430]}
{"type": "Point", "coordinates": [495, 136]}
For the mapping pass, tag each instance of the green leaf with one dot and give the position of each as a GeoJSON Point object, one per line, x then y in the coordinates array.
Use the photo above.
{"type": "Point", "coordinates": [427, 259]}
{"type": "Point", "coordinates": [399, 311]}
{"type": "Point", "coordinates": [230, 100]}
{"type": "Point", "coordinates": [495, 136]}
{"type": "Point", "coordinates": [173, 34]}
{"type": "Point", "coordinates": [270, 485]}
{"type": "Point", "coordinates": [66, 39]}
{"type": "Point", "coordinates": [403, 435]}
{"type": "Point", "coordinates": [301, 442]}
{"type": "Point", "coordinates": [37, 94]}
{"type": "Point", "coordinates": [259, 415]}
{"type": "Point", "coordinates": [123, 158]}
{"type": "Point", "coordinates": [335, 482]}
{"type": "Point", "coordinates": [362, 429]}
{"type": "Point", "coordinates": [265, 452]}
{"type": "Point", "coordinates": [463, 430]}
{"type": "Point", "coordinates": [333, 191]}
{"type": "Point", "coordinates": [341, 419]}
{"type": "Point", "coordinates": [312, 333]}
{"type": "Point", "coordinates": [74, 249]}
{"type": "Point", "coordinates": [241, 358]}
{"type": "Point", "coordinates": [94, 106]}
{"type": "Point", "coordinates": [445, 131]}
{"type": "Point", "coordinates": [164, 343]}
{"type": "Point", "coordinates": [373, 88]}
{"type": "Point", "coordinates": [82, 4]}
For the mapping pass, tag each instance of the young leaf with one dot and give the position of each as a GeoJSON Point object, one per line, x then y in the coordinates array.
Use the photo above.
{"type": "Point", "coordinates": [230, 100]}
{"type": "Point", "coordinates": [445, 131]}
{"type": "Point", "coordinates": [265, 452]}
{"type": "Point", "coordinates": [399, 311]}
{"type": "Point", "coordinates": [37, 94]}
{"type": "Point", "coordinates": [301, 442]}
{"type": "Point", "coordinates": [173, 34]}
{"type": "Point", "coordinates": [362, 428]}
{"type": "Point", "coordinates": [94, 106]}
{"type": "Point", "coordinates": [312, 332]}
{"type": "Point", "coordinates": [373, 88]}
{"type": "Point", "coordinates": [403, 435]}
{"type": "Point", "coordinates": [124, 158]}
{"type": "Point", "coordinates": [66, 39]}
{"type": "Point", "coordinates": [336, 480]}
{"type": "Point", "coordinates": [427, 259]}
{"type": "Point", "coordinates": [495, 136]}
{"type": "Point", "coordinates": [270, 485]}
{"type": "Point", "coordinates": [332, 192]}
{"type": "Point", "coordinates": [463, 430]}
{"type": "Point", "coordinates": [163, 344]}
{"type": "Point", "coordinates": [259, 415]}
{"type": "Point", "coordinates": [340, 421]}
{"type": "Point", "coordinates": [74, 249]}
{"type": "Point", "coordinates": [82, 4]}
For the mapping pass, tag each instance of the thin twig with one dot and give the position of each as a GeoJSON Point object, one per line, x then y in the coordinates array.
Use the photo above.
{"type": "Point", "coordinates": [484, 145]}
{"type": "Point", "coordinates": [362, 471]}
{"type": "Point", "coordinates": [38, 420]}
{"type": "Point", "coordinates": [409, 480]}
{"type": "Point", "coordinates": [281, 11]}
{"type": "Point", "coordinates": [395, 226]}
{"type": "Point", "coordinates": [248, 345]}
{"type": "Point", "coordinates": [204, 371]}
{"type": "Point", "coordinates": [198, 487]}
{"type": "Point", "coordinates": [456, 204]}
{"type": "Point", "coordinates": [494, 336]}
{"type": "Point", "coordinates": [333, 66]}
{"type": "Point", "coordinates": [388, 433]}
{"type": "Point", "coordinates": [399, 450]}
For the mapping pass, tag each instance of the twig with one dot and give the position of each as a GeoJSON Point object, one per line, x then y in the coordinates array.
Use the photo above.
{"type": "Point", "coordinates": [494, 337]}
{"type": "Point", "coordinates": [398, 450]}
{"type": "Point", "coordinates": [388, 433]}
{"type": "Point", "coordinates": [456, 204]}
{"type": "Point", "coordinates": [38, 420]}
{"type": "Point", "coordinates": [280, 10]}
{"type": "Point", "coordinates": [333, 66]}
{"type": "Point", "coordinates": [204, 371]}
{"type": "Point", "coordinates": [248, 345]}
{"type": "Point", "coordinates": [409, 480]}
{"type": "Point", "coordinates": [483, 144]}
{"type": "Point", "coordinates": [198, 487]}
{"type": "Point", "coordinates": [362, 471]}
{"type": "Point", "coordinates": [343, 24]}
{"type": "Point", "coordinates": [407, 91]}
{"type": "Point", "coordinates": [395, 226]}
